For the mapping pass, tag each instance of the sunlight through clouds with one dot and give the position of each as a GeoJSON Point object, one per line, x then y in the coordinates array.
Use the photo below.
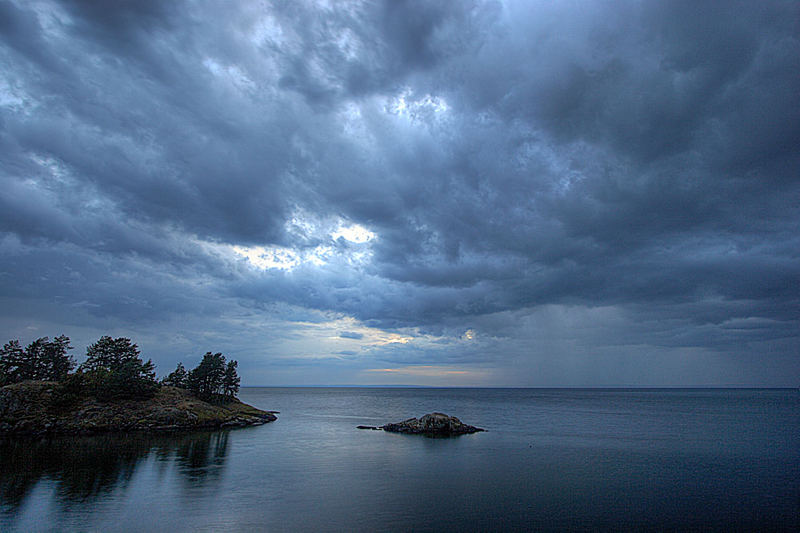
{"type": "Point", "coordinates": [265, 258]}
{"type": "Point", "coordinates": [430, 375]}
{"type": "Point", "coordinates": [304, 227]}
{"type": "Point", "coordinates": [421, 370]}
{"type": "Point", "coordinates": [353, 233]}
{"type": "Point", "coordinates": [424, 107]}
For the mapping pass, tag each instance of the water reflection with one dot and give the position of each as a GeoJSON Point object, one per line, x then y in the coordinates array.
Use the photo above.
{"type": "Point", "coordinates": [85, 469]}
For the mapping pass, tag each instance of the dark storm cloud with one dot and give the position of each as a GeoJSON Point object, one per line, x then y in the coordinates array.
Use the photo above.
{"type": "Point", "coordinates": [507, 156]}
{"type": "Point", "coordinates": [385, 44]}
{"type": "Point", "coordinates": [21, 31]}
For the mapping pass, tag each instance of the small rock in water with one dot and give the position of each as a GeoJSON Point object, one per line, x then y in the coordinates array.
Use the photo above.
{"type": "Point", "coordinates": [432, 424]}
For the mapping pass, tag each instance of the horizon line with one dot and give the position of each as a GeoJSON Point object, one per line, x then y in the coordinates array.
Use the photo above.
{"type": "Point", "coordinates": [605, 387]}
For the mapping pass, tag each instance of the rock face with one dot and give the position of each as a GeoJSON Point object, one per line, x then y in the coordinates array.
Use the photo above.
{"type": "Point", "coordinates": [430, 424]}
{"type": "Point", "coordinates": [30, 408]}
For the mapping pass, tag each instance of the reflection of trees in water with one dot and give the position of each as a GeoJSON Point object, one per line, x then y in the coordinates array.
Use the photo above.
{"type": "Point", "coordinates": [202, 459]}
{"type": "Point", "coordinates": [85, 469]}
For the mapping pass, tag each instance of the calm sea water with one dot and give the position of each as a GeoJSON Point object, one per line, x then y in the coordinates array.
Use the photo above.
{"type": "Point", "coordinates": [552, 460]}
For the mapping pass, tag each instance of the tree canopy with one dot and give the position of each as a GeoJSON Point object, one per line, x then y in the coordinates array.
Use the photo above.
{"type": "Point", "coordinates": [231, 380]}
{"type": "Point", "coordinates": [213, 378]}
{"type": "Point", "coordinates": [177, 378]}
{"type": "Point", "coordinates": [113, 369]}
{"type": "Point", "coordinates": [109, 354]}
{"type": "Point", "coordinates": [43, 359]}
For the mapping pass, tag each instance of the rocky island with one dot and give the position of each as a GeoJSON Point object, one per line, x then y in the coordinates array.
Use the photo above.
{"type": "Point", "coordinates": [114, 389]}
{"type": "Point", "coordinates": [433, 424]}
{"type": "Point", "coordinates": [34, 408]}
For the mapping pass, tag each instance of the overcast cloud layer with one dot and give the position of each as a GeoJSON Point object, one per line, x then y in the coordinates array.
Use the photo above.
{"type": "Point", "coordinates": [449, 193]}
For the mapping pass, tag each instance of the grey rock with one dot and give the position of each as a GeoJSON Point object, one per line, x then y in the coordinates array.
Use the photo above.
{"type": "Point", "coordinates": [438, 424]}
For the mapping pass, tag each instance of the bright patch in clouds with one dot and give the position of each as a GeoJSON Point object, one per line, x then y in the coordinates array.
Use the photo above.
{"type": "Point", "coordinates": [267, 258]}
{"type": "Point", "coordinates": [9, 96]}
{"type": "Point", "coordinates": [429, 374]}
{"type": "Point", "coordinates": [420, 370]}
{"type": "Point", "coordinates": [353, 233]}
{"type": "Point", "coordinates": [230, 73]}
{"type": "Point", "coordinates": [357, 333]}
{"type": "Point", "coordinates": [306, 228]}
{"type": "Point", "coordinates": [342, 337]}
{"type": "Point", "coordinates": [426, 106]}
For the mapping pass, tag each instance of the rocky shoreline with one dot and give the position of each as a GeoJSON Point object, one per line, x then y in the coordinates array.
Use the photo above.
{"type": "Point", "coordinates": [30, 408]}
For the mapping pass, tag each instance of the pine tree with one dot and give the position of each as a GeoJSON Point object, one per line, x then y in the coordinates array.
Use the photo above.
{"type": "Point", "coordinates": [114, 369]}
{"type": "Point", "coordinates": [177, 378]}
{"type": "Point", "coordinates": [230, 383]}
{"type": "Point", "coordinates": [56, 364]}
{"type": "Point", "coordinates": [35, 354]}
{"type": "Point", "coordinates": [108, 353]}
{"type": "Point", "coordinates": [205, 381]}
{"type": "Point", "coordinates": [12, 363]}
{"type": "Point", "coordinates": [42, 359]}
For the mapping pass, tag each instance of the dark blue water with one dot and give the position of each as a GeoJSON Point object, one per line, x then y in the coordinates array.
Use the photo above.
{"type": "Point", "coordinates": [552, 460]}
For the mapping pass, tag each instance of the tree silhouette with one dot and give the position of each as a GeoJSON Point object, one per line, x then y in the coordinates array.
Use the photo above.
{"type": "Point", "coordinates": [13, 363]}
{"type": "Point", "coordinates": [231, 380]}
{"type": "Point", "coordinates": [212, 379]}
{"type": "Point", "coordinates": [109, 354]}
{"type": "Point", "coordinates": [177, 378]}
{"type": "Point", "coordinates": [113, 369]}
{"type": "Point", "coordinates": [42, 359]}
{"type": "Point", "coordinates": [205, 381]}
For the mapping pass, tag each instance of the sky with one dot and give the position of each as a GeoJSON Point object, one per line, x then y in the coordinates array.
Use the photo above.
{"type": "Point", "coordinates": [462, 193]}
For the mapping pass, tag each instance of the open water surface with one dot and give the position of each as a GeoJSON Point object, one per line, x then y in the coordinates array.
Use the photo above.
{"type": "Point", "coordinates": [565, 459]}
